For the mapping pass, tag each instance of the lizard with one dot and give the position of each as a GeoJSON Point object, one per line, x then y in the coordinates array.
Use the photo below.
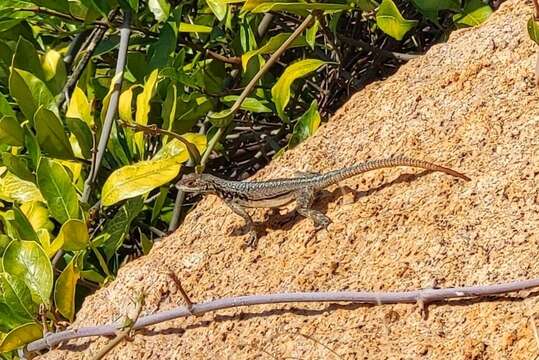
{"type": "Point", "coordinates": [239, 195]}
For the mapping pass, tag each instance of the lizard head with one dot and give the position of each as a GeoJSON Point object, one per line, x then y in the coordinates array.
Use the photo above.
{"type": "Point", "coordinates": [195, 183]}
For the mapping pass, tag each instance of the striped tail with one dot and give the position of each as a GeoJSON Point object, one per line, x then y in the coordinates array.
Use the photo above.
{"type": "Point", "coordinates": [338, 175]}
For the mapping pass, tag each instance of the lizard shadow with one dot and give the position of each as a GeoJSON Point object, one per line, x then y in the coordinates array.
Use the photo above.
{"type": "Point", "coordinates": [274, 220]}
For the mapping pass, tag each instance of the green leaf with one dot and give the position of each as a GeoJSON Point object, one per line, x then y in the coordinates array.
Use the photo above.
{"type": "Point", "coordinates": [60, 194]}
{"type": "Point", "coordinates": [118, 226]}
{"type": "Point", "coordinates": [390, 20]}
{"type": "Point", "coordinates": [11, 132]}
{"type": "Point", "coordinates": [160, 9]}
{"type": "Point", "coordinates": [79, 107]}
{"type": "Point", "coordinates": [20, 336]}
{"type": "Point", "coordinates": [189, 109]}
{"type": "Point", "coordinates": [37, 214]}
{"type": "Point", "coordinates": [54, 70]}
{"type": "Point", "coordinates": [474, 13]}
{"type": "Point", "coordinates": [430, 8]}
{"type": "Point", "coordinates": [18, 165]}
{"type": "Point", "coordinates": [14, 189]}
{"type": "Point", "coordinates": [271, 46]}
{"type": "Point", "coordinates": [221, 118]}
{"type": "Point", "coordinates": [533, 29]}
{"type": "Point", "coordinates": [5, 108]}
{"type": "Point", "coordinates": [143, 108]}
{"type": "Point", "coordinates": [64, 290]}
{"type": "Point", "coordinates": [368, 5]}
{"type": "Point", "coordinates": [125, 105]}
{"type": "Point", "coordinates": [162, 50]}
{"type": "Point", "coordinates": [249, 104]}
{"type": "Point", "coordinates": [140, 178]}
{"type": "Point", "coordinates": [218, 8]}
{"type": "Point", "coordinates": [27, 260]}
{"type": "Point", "coordinates": [186, 27]}
{"type": "Point", "coordinates": [16, 304]}
{"type": "Point", "coordinates": [30, 93]}
{"type": "Point", "coordinates": [310, 34]}
{"type": "Point", "coordinates": [83, 134]}
{"type": "Point", "coordinates": [51, 135]}
{"type": "Point", "coordinates": [73, 235]}
{"type": "Point", "coordinates": [306, 125]}
{"type": "Point", "coordinates": [146, 243]}
{"type": "Point", "coordinates": [26, 58]}
{"type": "Point", "coordinates": [280, 92]}
{"type": "Point", "coordinates": [158, 204]}
{"type": "Point", "coordinates": [23, 226]}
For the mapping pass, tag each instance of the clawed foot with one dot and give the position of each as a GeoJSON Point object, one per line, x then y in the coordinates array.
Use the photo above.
{"type": "Point", "coordinates": [252, 240]}
{"type": "Point", "coordinates": [321, 221]}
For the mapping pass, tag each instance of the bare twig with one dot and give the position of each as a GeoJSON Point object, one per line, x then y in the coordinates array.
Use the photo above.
{"type": "Point", "coordinates": [536, 6]}
{"type": "Point", "coordinates": [154, 130]}
{"type": "Point", "coordinates": [112, 108]}
{"type": "Point", "coordinates": [235, 60]}
{"type": "Point", "coordinates": [428, 296]}
{"type": "Point", "coordinates": [94, 39]}
{"type": "Point", "coordinates": [178, 284]}
{"type": "Point", "coordinates": [127, 327]}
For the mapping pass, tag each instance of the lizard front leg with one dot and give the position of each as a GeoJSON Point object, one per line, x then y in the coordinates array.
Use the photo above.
{"type": "Point", "coordinates": [304, 201]}
{"type": "Point", "coordinates": [249, 224]}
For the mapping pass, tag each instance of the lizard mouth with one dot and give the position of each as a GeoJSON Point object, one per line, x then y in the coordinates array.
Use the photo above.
{"type": "Point", "coordinates": [188, 189]}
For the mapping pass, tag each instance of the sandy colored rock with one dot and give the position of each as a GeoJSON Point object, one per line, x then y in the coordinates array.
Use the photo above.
{"type": "Point", "coordinates": [471, 104]}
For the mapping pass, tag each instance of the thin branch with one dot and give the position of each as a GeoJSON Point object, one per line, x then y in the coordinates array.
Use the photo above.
{"type": "Point", "coordinates": [536, 6]}
{"type": "Point", "coordinates": [127, 327]}
{"type": "Point", "coordinates": [154, 130]}
{"type": "Point", "coordinates": [367, 46]}
{"type": "Point", "coordinates": [235, 60]}
{"type": "Point", "coordinates": [94, 39]}
{"type": "Point", "coordinates": [426, 296]}
{"type": "Point", "coordinates": [112, 108]}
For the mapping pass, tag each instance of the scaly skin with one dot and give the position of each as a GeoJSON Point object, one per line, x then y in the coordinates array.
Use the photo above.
{"type": "Point", "coordinates": [239, 195]}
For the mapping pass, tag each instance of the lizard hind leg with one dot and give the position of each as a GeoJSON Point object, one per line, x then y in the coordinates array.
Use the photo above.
{"type": "Point", "coordinates": [304, 201]}
{"type": "Point", "coordinates": [252, 240]}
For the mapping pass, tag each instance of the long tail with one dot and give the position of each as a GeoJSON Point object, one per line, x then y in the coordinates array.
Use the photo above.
{"type": "Point", "coordinates": [338, 175]}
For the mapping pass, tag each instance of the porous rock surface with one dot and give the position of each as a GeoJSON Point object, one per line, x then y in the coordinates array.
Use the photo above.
{"type": "Point", "coordinates": [471, 104]}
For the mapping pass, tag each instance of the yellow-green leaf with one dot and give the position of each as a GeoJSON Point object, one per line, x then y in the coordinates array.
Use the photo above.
{"type": "Point", "coordinates": [299, 7]}
{"type": "Point", "coordinates": [73, 235]}
{"type": "Point", "coordinates": [14, 189]}
{"type": "Point", "coordinates": [79, 107]}
{"type": "Point", "coordinates": [11, 132]}
{"type": "Point", "coordinates": [390, 20]}
{"type": "Point", "coordinates": [64, 290]}
{"type": "Point", "coordinates": [533, 29]}
{"type": "Point", "coordinates": [57, 188]}
{"type": "Point", "coordinates": [28, 261]}
{"type": "Point", "coordinates": [143, 108]}
{"type": "Point", "coordinates": [306, 125]}
{"type": "Point", "coordinates": [221, 118]}
{"type": "Point", "coordinates": [175, 148]}
{"type": "Point", "coordinates": [218, 8]}
{"type": "Point", "coordinates": [140, 178]}
{"type": "Point", "coordinates": [37, 214]}
{"type": "Point", "coordinates": [186, 27]}
{"type": "Point", "coordinates": [473, 14]}
{"type": "Point", "coordinates": [271, 46]}
{"type": "Point", "coordinates": [160, 9]}
{"type": "Point", "coordinates": [280, 92]}
{"type": "Point", "coordinates": [249, 104]}
{"type": "Point", "coordinates": [54, 70]}
{"type": "Point", "coordinates": [30, 93]}
{"type": "Point", "coordinates": [20, 336]}
{"type": "Point", "coordinates": [51, 135]}
{"type": "Point", "coordinates": [16, 302]}
{"type": "Point", "coordinates": [125, 105]}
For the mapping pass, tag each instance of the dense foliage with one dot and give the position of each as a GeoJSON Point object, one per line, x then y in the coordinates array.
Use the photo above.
{"type": "Point", "coordinates": [72, 212]}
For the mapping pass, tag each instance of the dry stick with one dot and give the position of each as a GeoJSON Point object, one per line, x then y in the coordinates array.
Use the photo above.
{"type": "Point", "coordinates": [95, 37]}
{"type": "Point", "coordinates": [154, 130]}
{"type": "Point", "coordinates": [180, 197]}
{"type": "Point", "coordinates": [112, 108]}
{"type": "Point", "coordinates": [126, 329]}
{"type": "Point", "coordinates": [426, 296]}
